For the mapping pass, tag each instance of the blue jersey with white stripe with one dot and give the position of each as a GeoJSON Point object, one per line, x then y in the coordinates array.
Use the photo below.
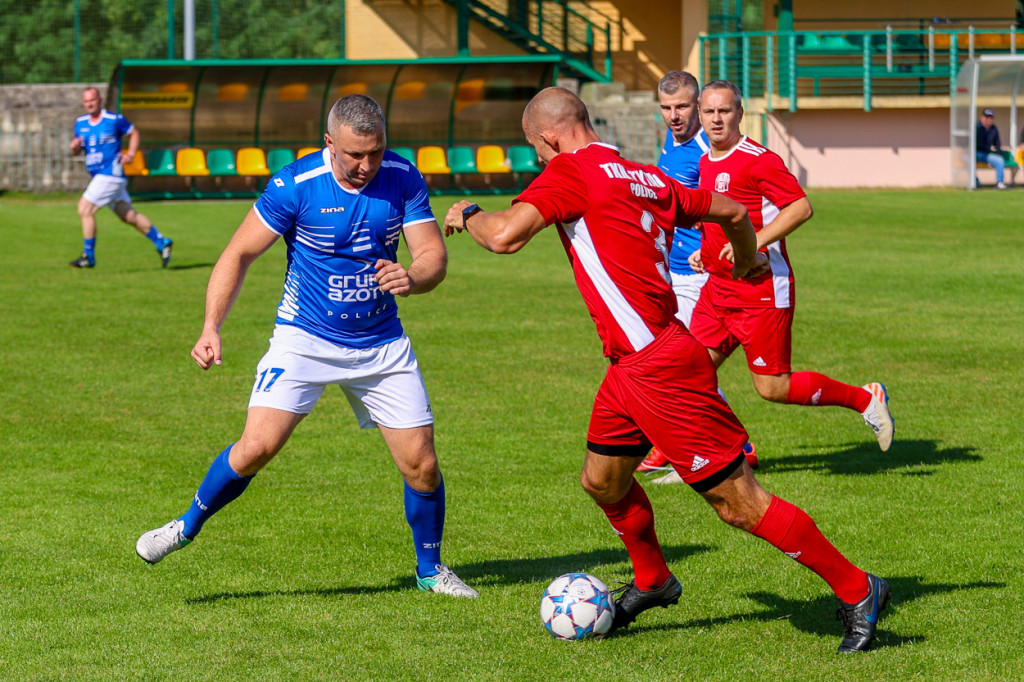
{"type": "Point", "coordinates": [334, 236]}
{"type": "Point", "coordinates": [681, 162]}
{"type": "Point", "coordinates": [102, 142]}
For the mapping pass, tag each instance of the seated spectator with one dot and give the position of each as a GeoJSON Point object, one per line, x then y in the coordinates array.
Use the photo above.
{"type": "Point", "coordinates": [988, 148]}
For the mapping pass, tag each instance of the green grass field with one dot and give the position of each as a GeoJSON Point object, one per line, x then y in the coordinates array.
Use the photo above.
{"type": "Point", "coordinates": [107, 427]}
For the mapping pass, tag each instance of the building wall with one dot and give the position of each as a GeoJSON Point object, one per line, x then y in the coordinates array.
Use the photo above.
{"type": "Point", "coordinates": [851, 148]}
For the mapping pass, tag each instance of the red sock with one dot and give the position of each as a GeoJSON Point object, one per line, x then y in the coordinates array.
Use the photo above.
{"type": "Point", "coordinates": [633, 519]}
{"type": "Point", "coordinates": [811, 388]}
{"type": "Point", "coordinates": [790, 529]}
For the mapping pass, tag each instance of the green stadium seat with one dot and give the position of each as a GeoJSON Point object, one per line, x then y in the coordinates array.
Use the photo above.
{"type": "Point", "coordinates": [460, 160]}
{"type": "Point", "coordinates": [278, 158]}
{"type": "Point", "coordinates": [406, 153]}
{"type": "Point", "coordinates": [161, 162]}
{"type": "Point", "coordinates": [523, 159]}
{"type": "Point", "coordinates": [221, 162]}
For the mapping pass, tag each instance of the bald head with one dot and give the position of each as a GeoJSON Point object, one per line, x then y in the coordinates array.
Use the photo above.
{"type": "Point", "coordinates": [555, 109]}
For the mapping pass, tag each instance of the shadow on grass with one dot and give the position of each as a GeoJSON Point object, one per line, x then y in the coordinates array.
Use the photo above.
{"type": "Point", "coordinates": [916, 457]}
{"type": "Point", "coordinates": [818, 616]}
{"type": "Point", "coordinates": [484, 573]}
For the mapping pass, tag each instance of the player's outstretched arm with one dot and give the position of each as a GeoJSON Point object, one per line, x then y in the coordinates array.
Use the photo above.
{"type": "Point", "coordinates": [134, 139]}
{"type": "Point", "coordinates": [501, 231]}
{"type": "Point", "coordinates": [428, 267]}
{"type": "Point", "coordinates": [735, 222]}
{"type": "Point", "coordinates": [790, 217]}
{"type": "Point", "coordinates": [251, 240]}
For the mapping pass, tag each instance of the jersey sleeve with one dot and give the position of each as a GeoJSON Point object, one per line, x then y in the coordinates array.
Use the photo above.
{"type": "Point", "coordinates": [123, 126]}
{"type": "Point", "coordinates": [560, 192]}
{"type": "Point", "coordinates": [417, 202]}
{"type": "Point", "coordinates": [691, 204]}
{"type": "Point", "coordinates": [774, 181]}
{"type": "Point", "coordinates": [276, 207]}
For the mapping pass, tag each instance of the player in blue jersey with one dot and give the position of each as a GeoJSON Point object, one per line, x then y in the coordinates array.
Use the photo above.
{"type": "Point", "coordinates": [341, 213]}
{"type": "Point", "coordinates": [98, 133]}
{"type": "Point", "coordinates": [685, 143]}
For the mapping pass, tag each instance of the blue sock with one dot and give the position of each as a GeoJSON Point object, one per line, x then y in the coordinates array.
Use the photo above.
{"type": "Point", "coordinates": [154, 235]}
{"type": "Point", "coordinates": [425, 514]}
{"type": "Point", "coordinates": [90, 247]}
{"type": "Point", "coordinates": [220, 486]}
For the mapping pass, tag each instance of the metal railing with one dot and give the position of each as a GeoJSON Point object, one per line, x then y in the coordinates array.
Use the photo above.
{"type": "Point", "coordinates": [782, 68]}
{"type": "Point", "coordinates": [579, 33]}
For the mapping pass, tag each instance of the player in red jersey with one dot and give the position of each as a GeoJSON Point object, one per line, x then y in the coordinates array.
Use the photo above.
{"type": "Point", "coordinates": [615, 218]}
{"type": "Point", "coordinates": [757, 313]}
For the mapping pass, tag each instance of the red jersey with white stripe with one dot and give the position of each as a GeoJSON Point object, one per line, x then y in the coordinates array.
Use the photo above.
{"type": "Point", "coordinates": [615, 218]}
{"type": "Point", "coordinates": [757, 178]}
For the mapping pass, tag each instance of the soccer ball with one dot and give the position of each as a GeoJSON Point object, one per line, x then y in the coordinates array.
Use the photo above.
{"type": "Point", "coordinates": [577, 606]}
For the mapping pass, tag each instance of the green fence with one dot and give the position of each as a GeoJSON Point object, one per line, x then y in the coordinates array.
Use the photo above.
{"type": "Point", "coordinates": [785, 67]}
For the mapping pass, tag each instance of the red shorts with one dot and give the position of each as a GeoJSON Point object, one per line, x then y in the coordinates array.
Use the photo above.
{"type": "Point", "coordinates": [667, 395]}
{"type": "Point", "coordinates": [766, 334]}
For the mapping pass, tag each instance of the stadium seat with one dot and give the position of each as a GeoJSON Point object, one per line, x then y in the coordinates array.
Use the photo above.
{"type": "Point", "coordinates": [174, 87]}
{"type": "Point", "coordinates": [523, 159]}
{"type": "Point", "coordinates": [278, 158]}
{"type": "Point", "coordinates": [221, 162]}
{"type": "Point", "coordinates": [232, 92]}
{"type": "Point", "coordinates": [431, 161]}
{"type": "Point", "coordinates": [251, 161]}
{"type": "Point", "coordinates": [293, 92]}
{"type": "Point", "coordinates": [470, 92]}
{"type": "Point", "coordinates": [191, 162]}
{"type": "Point", "coordinates": [137, 167]}
{"type": "Point", "coordinates": [410, 90]}
{"type": "Point", "coordinates": [460, 160]}
{"type": "Point", "coordinates": [406, 153]}
{"type": "Point", "coordinates": [306, 151]}
{"type": "Point", "coordinates": [353, 89]}
{"type": "Point", "coordinates": [161, 162]}
{"type": "Point", "coordinates": [490, 158]}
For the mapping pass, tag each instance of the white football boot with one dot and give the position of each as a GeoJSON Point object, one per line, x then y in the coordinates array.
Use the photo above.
{"type": "Point", "coordinates": [446, 582]}
{"type": "Point", "coordinates": [154, 545]}
{"type": "Point", "coordinates": [878, 417]}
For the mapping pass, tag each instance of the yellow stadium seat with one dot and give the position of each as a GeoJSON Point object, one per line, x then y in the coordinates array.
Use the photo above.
{"type": "Point", "coordinates": [306, 151]}
{"type": "Point", "coordinates": [470, 92]}
{"type": "Point", "coordinates": [353, 89]}
{"type": "Point", "coordinates": [137, 167]}
{"type": "Point", "coordinates": [293, 92]}
{"type": "Point", "coordinates": [251, 161]}
{"type": "Point", "coordinates": [410, 90]}
{"type": "Point", "coordinates": [232, 92]}
{"type": "Point", "coordinates": [174, 87]}
{"type": "Point", "coordinates": [490, 158]}
{"type": "Point", "coordinates": [191, 162]}
{"type": "Point", "coordinates": [431, 160]}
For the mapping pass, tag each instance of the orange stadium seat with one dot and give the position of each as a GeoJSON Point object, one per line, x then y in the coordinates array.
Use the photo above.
{"type": "Point", "coordinates": [174, 87]}
{"type": "Point", "coordinates": [191, 162]}
{"type": "Point", "coordinates": [353, 89]}
{"type": "Point", "coordinates": [252, 161]}
{"type": "Point", "coordinates": [306, 151]}
{"type": "Point", "coordinates": [137, 167]}
{"type": "Point", "coordinates": [430, 160]}
{"type": "Point", "coordinates": [410, 90]}
{"type": "Point", "coordinates": [490, 158]}
{"type": "Point", "coordinates": [293, 92]}
{"type": "Point", "coordinates": [232, 92]}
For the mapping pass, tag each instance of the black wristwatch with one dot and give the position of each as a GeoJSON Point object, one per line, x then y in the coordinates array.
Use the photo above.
{"type": "Point", "coordinates": [468, 211]}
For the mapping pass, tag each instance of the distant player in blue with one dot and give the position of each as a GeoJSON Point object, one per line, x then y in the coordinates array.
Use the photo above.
{"type": "Point", "coordinates": [99, 134]}
{"type": "Point", "coordinates": [685, 143]}
{"type": "Point", "coordinates": [341, 213]}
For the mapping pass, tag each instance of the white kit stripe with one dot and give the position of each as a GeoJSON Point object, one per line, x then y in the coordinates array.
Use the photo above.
{"type": "Point", "coordinates": [627, 318]}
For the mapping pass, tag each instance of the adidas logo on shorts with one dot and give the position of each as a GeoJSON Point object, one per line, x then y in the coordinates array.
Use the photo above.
{"type": "Point", "coordinates": [699, 463]}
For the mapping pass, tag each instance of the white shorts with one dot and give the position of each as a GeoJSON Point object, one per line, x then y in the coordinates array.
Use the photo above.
{"type": "Point", "coordinates": [687, 288]}
{"type": "Point", "coordinates": [383, 384]}
{"type": "Point", "coordinates": [106, 189]}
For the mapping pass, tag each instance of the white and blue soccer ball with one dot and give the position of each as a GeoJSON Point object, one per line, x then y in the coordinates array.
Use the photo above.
{"type": "Point", "coordinates": [577, 606]}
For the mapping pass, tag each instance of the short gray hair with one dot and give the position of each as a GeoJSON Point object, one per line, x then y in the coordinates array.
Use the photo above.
{"type": "Point", "coordinates": [674, 80]}
{"type": "Point", "coordinates": [358, 112]}
{"type": "Point", "coordinates": [725, 85]}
